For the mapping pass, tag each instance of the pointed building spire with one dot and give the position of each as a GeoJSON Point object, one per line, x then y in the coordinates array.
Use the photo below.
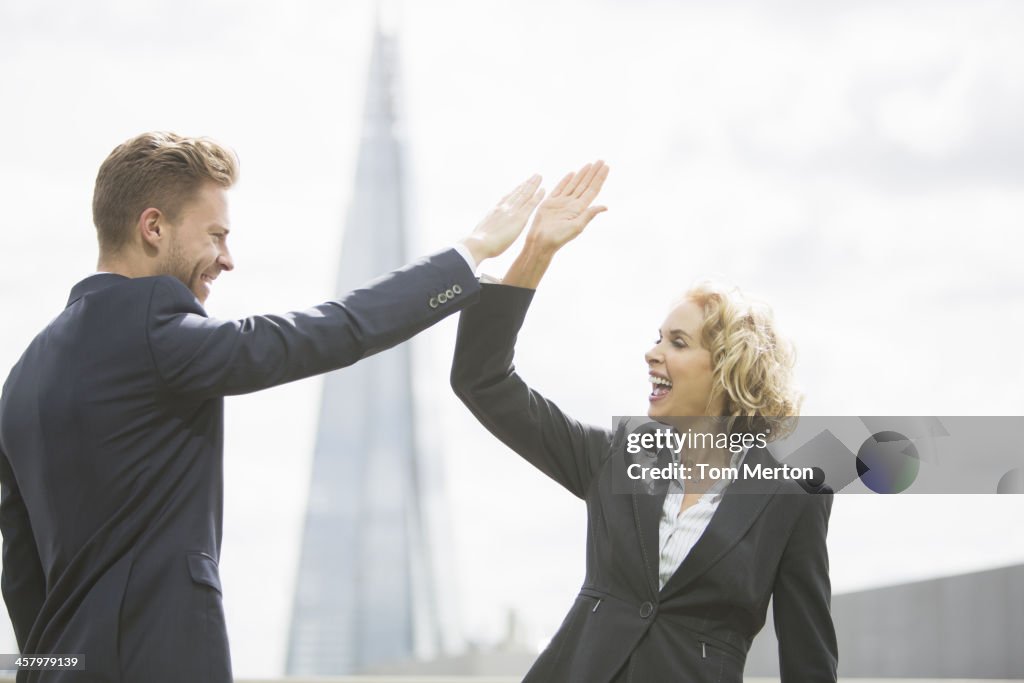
{"type": "Point", "coordinates": [365, 591]}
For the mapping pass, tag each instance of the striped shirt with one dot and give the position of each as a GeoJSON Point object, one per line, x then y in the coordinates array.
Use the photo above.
{"type": "Point", "coordinates": [678, 533]}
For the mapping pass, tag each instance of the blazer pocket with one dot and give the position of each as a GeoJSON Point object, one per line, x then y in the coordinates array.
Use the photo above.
{"type": "Point", "coordinates": [725, 666]}
{"type": "Point", "coordinates": [203, 569]}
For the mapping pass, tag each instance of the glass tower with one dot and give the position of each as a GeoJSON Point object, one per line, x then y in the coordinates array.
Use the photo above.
{"type": "Point", "coordinates": [365, 590]}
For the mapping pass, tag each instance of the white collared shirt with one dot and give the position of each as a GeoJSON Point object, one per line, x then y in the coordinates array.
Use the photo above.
{"type": "Point", "coordinates": [678, 533]}
{"type": "Point", "coordinates": [464, 253]}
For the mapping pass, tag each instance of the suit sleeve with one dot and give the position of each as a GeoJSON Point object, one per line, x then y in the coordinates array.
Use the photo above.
{"type": "Point", "coordinates": [203, 357]}
{"type": "Point", "coordinates": [802, 596]}
{"type": "Point", "coordinates": [485, 379]}
{"type": "Point", "coordinates": [23, 582]}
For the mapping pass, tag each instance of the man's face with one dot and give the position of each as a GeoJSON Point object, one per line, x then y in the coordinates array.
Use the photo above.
{"type": "Point", "coordinates": [198, 246]}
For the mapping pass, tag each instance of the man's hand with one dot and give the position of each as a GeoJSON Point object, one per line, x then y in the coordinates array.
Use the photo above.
{"type": "Point", "coordinates": [500, 228]}
{"type": "Point", "coordinates": [564, 215]}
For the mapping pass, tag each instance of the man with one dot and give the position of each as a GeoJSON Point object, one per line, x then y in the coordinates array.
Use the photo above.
{"type": "Point", "coordinates": [111, 423]}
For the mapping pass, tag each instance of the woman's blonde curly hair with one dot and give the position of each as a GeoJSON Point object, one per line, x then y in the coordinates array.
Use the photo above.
{"type": "Point", "coordinates": [752, 364]}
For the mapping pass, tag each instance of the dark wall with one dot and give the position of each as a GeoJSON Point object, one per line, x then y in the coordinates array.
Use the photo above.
{"type": "Point", "coordinates": [971, 625]}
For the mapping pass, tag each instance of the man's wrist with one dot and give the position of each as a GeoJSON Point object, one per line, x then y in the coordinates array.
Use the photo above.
{"type": "Point", "coordinates": [476, 249]}
{"type": "Point", "coordinates": [467, 256]}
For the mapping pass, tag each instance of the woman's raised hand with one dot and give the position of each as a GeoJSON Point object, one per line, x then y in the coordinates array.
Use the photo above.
{"type": "Point", "coordinates": [567, 211]}
{"type": "Point", "coordinates": [559, 219]}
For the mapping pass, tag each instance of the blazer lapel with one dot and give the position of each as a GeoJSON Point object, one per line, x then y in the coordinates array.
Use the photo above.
{"type": "Point", "coordinates": [647, 516]}
{"type": "Point", "coordinates": [648, 500]}
{"type": "Point", "coordinates": [741, 503]}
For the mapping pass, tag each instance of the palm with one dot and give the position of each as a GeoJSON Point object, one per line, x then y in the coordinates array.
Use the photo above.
{"type": "Point", "coordinates": [561, 217]}
{"type": "Point", "coordinates": [564, 214]}
{"type": "Point", "coordinates": [502, 225]}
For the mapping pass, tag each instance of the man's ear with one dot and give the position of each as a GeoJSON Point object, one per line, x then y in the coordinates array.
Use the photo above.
{"type": "Point", "coordinates": [152, 227]}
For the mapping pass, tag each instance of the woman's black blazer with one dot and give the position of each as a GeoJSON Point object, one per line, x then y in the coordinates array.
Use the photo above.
{"type": "Point", "coordinates": [760, 544]}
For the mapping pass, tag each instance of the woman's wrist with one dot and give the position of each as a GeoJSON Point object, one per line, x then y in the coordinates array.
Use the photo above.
{"type": "Point", "coordinates": [529, 267]}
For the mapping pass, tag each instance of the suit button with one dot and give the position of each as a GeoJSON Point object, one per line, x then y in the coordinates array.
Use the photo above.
{"type": "Point", "coordinates": [433, 302]}
{"type": "Point", "coordinates": [457, 289]}
{"type": "Point", "coordinates": [646, 610]}
{"type": "Point", "coordinates": [441, 298]}
{"type": "Point", "coordinates": [450, 294]}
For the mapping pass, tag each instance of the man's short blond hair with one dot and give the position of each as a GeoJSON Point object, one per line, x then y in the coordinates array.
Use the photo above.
{"type": "Point", "coordinates": [159, 170]}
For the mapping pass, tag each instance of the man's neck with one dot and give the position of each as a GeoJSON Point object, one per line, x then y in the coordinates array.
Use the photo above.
{"type": "Point", "coordinates": [121, 267]}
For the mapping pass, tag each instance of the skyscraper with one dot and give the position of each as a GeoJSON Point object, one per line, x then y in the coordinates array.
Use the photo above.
{"type": "Point", "coordinates": [365, 591]}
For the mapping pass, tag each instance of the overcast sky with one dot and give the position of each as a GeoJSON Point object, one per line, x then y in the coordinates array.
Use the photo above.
{"type": "Point", "coordinates": [858, 166]}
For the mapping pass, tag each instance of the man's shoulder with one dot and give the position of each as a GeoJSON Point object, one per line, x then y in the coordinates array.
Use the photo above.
{"type": "Point", "coordinates": [155, 292]}
{"type": "Point", "coordinates": [118, 303]}
{"type": "Point", "coordinates": [105, 314]}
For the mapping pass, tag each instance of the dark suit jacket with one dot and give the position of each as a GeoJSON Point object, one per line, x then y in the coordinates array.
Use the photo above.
{"type": "Point", "coordinates": [760, 543]}
{"type": "Point", "coordinates": [111, 462]}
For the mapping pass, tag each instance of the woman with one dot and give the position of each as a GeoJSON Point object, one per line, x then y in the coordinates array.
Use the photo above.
{"type": "Point", "coordinates": [678, 582]}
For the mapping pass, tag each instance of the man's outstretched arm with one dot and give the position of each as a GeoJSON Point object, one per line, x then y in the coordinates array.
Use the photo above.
{"type": "Point", "coordinates": [199, 356]}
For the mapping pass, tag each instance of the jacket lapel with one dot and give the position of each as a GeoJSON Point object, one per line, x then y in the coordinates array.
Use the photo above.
{"type": "Point", "coordinates": [741, 503]}
{"type": "Point", "coordinates": [647, 506]}
{"type": "Point", "coordinates": [648, 500]}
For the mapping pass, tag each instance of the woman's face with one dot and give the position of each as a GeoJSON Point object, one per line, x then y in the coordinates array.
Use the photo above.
{"type": "Point", "coordinates": [680, 368]}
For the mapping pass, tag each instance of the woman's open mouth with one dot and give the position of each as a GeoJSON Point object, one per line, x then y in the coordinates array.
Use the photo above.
{"type": "Point", "coordinates": [660, 387]}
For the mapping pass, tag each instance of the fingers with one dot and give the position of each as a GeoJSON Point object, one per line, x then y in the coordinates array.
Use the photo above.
{"type": "Point", "coordinates": [585, 183]}
{"type": "Point", "coordinates": [522, 191]}
{"type": "Point", "coordinates": [576, 179]}
{"type": "Point", "coordinates": [535, 200]}
{"type": "Point", "coordinates": [589, 214]}
{"type": "Point", "coordinates": [521, 213]}
{"type": "Point", "coordinates": [562, 184]}
{"type": "Point", "coordinates": [595, 185]}
{"type": "Point", "coordinates": [587, 179]}
{"type": "Point", "coordinates": [527, 190]}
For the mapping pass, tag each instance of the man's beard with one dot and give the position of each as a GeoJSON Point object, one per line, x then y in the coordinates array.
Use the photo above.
{"type": "Point", "coordinates": [177, 265]}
